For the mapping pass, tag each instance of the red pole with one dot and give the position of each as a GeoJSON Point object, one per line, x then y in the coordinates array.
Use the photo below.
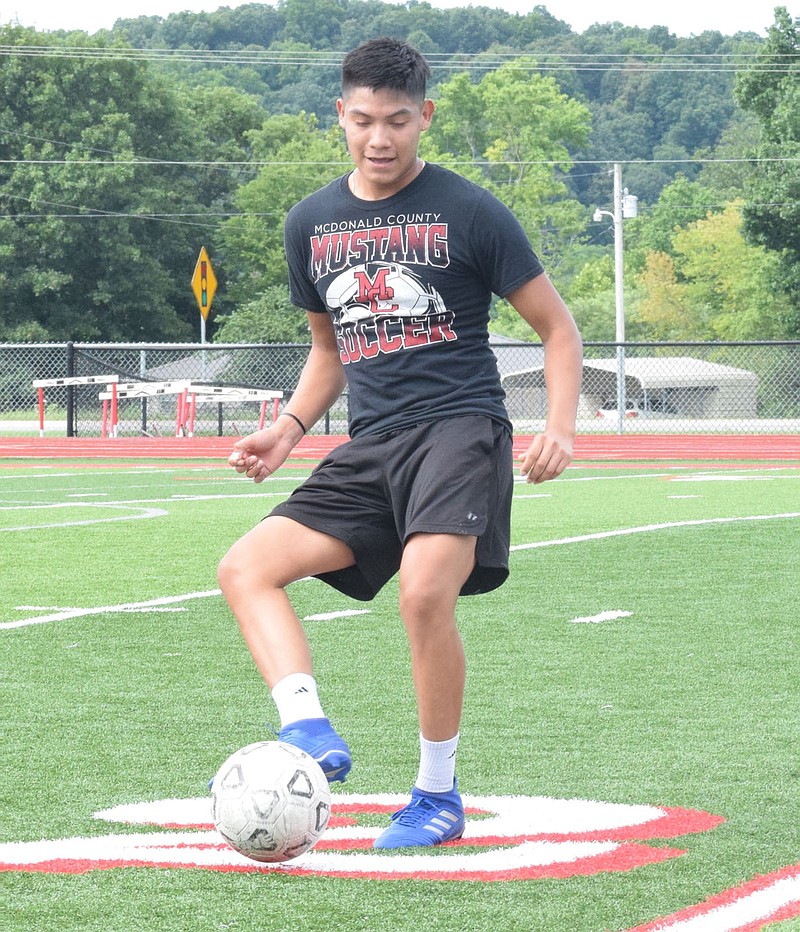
{"type": "Point", "coordinates": [192, 409]}
{"type": "Point", "coordinates": [40, 392]}
{"type": "Point", "coordinates": [114, 411]}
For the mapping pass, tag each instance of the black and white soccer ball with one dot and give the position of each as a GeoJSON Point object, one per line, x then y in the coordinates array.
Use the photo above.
{"type": "Point", "coordinates": [270, 801]}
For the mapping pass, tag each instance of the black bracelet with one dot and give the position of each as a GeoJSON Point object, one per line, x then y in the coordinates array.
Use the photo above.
{"type": "Point", "coordinates": [295, 418]}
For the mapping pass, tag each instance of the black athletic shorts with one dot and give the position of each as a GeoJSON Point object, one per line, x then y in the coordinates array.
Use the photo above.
{"type": "Point", "coordinates": [451, 476]}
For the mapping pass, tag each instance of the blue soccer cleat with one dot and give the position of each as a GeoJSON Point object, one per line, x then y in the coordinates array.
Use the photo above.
{"type": "Point", "coordinates": [429, 819]}
{"type": "Point", "coordinates": [317, 737]}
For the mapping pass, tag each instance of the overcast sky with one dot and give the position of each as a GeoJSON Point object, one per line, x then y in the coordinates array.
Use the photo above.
{"type": "Point", "coordinates": [683, 17]}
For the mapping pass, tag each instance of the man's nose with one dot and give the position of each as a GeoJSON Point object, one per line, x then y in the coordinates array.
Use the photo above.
{"type": "Point", "coordinates": [379, 136]}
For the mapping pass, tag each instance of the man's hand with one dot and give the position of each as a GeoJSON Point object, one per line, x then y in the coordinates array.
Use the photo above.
{"type": "Point", "coordinates": [548, 456]}
{"type": "Point", "coordinates": [259, 455]}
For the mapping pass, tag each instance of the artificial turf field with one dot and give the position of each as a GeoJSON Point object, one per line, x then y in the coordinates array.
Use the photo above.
{"type": "Point", "coordinates": [630, 747]}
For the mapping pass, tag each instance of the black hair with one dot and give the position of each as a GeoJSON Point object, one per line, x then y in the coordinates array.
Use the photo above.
{"type": "Point", "coordinates": [386, 64]}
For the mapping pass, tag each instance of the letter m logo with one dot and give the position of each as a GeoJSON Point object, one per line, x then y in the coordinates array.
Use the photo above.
{"type": "Point", "coordinates": [376, 291]}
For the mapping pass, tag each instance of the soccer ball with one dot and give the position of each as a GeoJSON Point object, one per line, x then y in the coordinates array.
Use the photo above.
{"type": "Point", "coordinates": [270, 801]}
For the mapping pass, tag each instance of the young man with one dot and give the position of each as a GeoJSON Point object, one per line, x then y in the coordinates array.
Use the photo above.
{"type": "Point", "coordinates": [396, 263]}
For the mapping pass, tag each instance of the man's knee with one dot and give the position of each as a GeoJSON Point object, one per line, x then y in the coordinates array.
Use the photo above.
{"type": "Point", "coordinates": [426, 598]}
{"type": "Point", "coordinates": [246, 564]}
{"type": "Point", "coordinates": [231, 571]}
{"type": "Point", "coordinates": [432, 572]}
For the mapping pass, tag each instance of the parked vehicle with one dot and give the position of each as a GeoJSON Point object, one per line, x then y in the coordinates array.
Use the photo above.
{"type": "Point", "coordinates": [609, 409]}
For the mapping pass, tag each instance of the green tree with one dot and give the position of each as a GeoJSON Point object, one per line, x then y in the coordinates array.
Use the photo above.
{"type": "Point", "coordinates": [98, 221]}
{"type": "Point", "coordinates": [664, 309]}
{"type": "Point", "coordinates": [519, 127]}
{"type": "Point", "coordinates": [681, 202]}
{"type": "Point", "coordinates": [297, 157]}
{"type": "Point", "coordinates": [592, 299]}
{"type": "Point", "coordinates": [661, 97]}
{"type": "Point", "coordinates": [313, 21]}
{"type": "Point", "coordinates": [714, 285]}
{"type": "Point", "coordinates": [771, 91]}
{"type": "Point", "coordinates": [270, 317]}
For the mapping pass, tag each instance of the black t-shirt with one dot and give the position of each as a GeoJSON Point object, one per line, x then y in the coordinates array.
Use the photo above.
{"type": "Point", "coordinates": [408, 281]}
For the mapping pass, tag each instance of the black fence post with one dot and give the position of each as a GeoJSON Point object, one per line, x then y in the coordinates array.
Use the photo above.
{"type": "Point", "coordinates": [70, 390]}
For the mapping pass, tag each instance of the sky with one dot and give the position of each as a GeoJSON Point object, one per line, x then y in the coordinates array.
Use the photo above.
{"type": "Point", "coordinates": [682, 17]}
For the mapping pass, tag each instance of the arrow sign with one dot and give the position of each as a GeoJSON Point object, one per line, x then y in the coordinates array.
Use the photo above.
{"type": "Point", "coordinates": [204, 283]}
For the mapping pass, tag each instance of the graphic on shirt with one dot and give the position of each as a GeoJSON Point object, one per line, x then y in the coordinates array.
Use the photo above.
{"type": "Point", "coordinates": [381, 288]}
{"type": "Point", "coordinates": [408, 238]}
{"type": "Point", "coordinates": [383, 307]}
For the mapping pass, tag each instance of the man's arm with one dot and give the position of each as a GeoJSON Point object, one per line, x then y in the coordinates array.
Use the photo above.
{"type": "Point", "coordinates": [321, 382]}
{"type": "Point", "coordinates": [322, 379]}
{"type": "Point", "coordinates": [541, 306]}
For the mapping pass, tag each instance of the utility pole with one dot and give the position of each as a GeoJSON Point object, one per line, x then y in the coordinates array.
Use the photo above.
{"type": "Point", "coordinates": [625, 206]}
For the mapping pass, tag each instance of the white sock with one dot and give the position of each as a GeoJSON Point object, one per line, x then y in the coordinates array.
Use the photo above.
{"type": "Point", "coordinates": [296, 697]}
{"type": "Point", "coordinates": [437, 765]}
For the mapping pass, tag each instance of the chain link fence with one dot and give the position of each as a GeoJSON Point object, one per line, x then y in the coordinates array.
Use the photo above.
{"type": "Point", "coordinates": [659, 387]}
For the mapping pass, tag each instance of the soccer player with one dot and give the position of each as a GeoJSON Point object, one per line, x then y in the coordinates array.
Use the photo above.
{"type": "Point", "coordinates": [395, 263]}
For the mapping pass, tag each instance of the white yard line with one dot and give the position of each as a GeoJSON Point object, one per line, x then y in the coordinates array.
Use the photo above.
{"type": "Point", "coordinates": [171, 600]}
{"type": "Point", "coordinates": [600, 617]}
{"type": "Point", "coordinates": [132, 514]}
{"type": "Point", "coordinates": [329, 616]}
{"type": "Point", "coordinates": [64, 614]}
{"type": "Point", "coordinates": [647, 528]}
{"type": "Point", "coordinates": [123, 506]}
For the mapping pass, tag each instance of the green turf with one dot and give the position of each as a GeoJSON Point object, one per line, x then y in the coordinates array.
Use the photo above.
{"type": "Point", "coordinates": [691, 700]}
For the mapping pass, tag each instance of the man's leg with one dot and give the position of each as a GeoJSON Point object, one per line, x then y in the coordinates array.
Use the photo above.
{"type": "Point", "coordinates": [432, 572]}
{"type": "Point", "coordinates": [253, 576]}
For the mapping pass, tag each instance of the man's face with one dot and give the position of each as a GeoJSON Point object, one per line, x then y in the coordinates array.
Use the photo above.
{"type": "Point", "coordinates": [382, 129]}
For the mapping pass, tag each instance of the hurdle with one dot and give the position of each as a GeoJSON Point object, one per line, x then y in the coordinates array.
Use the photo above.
{"type": "Point", "coordinates": [144, 390]}
{"type": "Point", "coordinates": [204, 394]}
{"type": "Point", "coordinates": [41, 384]}
{"type": "Point", "coordinates": [189, 395]}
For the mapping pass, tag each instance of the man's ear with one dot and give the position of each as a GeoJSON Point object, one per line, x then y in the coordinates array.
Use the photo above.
{"type": "Point", "coordinates": [340, 110]}
{"type": "Point", "coordinates": [428, 106]}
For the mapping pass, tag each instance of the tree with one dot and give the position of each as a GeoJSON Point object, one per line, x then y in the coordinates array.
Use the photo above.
{"type": "Point", "coordinates": [96, 231]}
{"type": "Point", "coordinates": [681, 202]}
{"type": "Point", "coordinates": [771, 91]}
{"type": "Point", "coordinates": [297, 158]}
{"type": "Point", "coordinates": [270, 317]}
{"type": "Point", "coordinates": [664, 309]}
{"type": "Point", "coordinates": [591, 297]}
{"type": "Point", "coordinates": [661, 98]}
{"type": "Point", "coordinates": [714, 286]}
{"type": "Point", "coordinates": [520, 128]}
{"type": "Point", "coordinates": [316, 21]}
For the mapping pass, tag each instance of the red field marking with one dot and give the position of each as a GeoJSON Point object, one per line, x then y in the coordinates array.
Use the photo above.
{"type": "Point", "coordinates": [686, 446]}
{"type": "Point", "coordinates": [588, 448]}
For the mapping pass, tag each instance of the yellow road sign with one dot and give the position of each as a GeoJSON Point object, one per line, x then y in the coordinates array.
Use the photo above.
{"type": "Point", "coordinates": [204, 283]}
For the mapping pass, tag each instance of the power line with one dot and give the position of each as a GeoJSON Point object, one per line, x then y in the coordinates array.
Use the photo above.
{"type": "Point", "coordinates": [331, 58]}
{"type": "Point", "coordinates": [96, 214]}
{"type": "Point", "coordinates": [263, 163]}
{"type": "Point", "coordinates": [637, 62]}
